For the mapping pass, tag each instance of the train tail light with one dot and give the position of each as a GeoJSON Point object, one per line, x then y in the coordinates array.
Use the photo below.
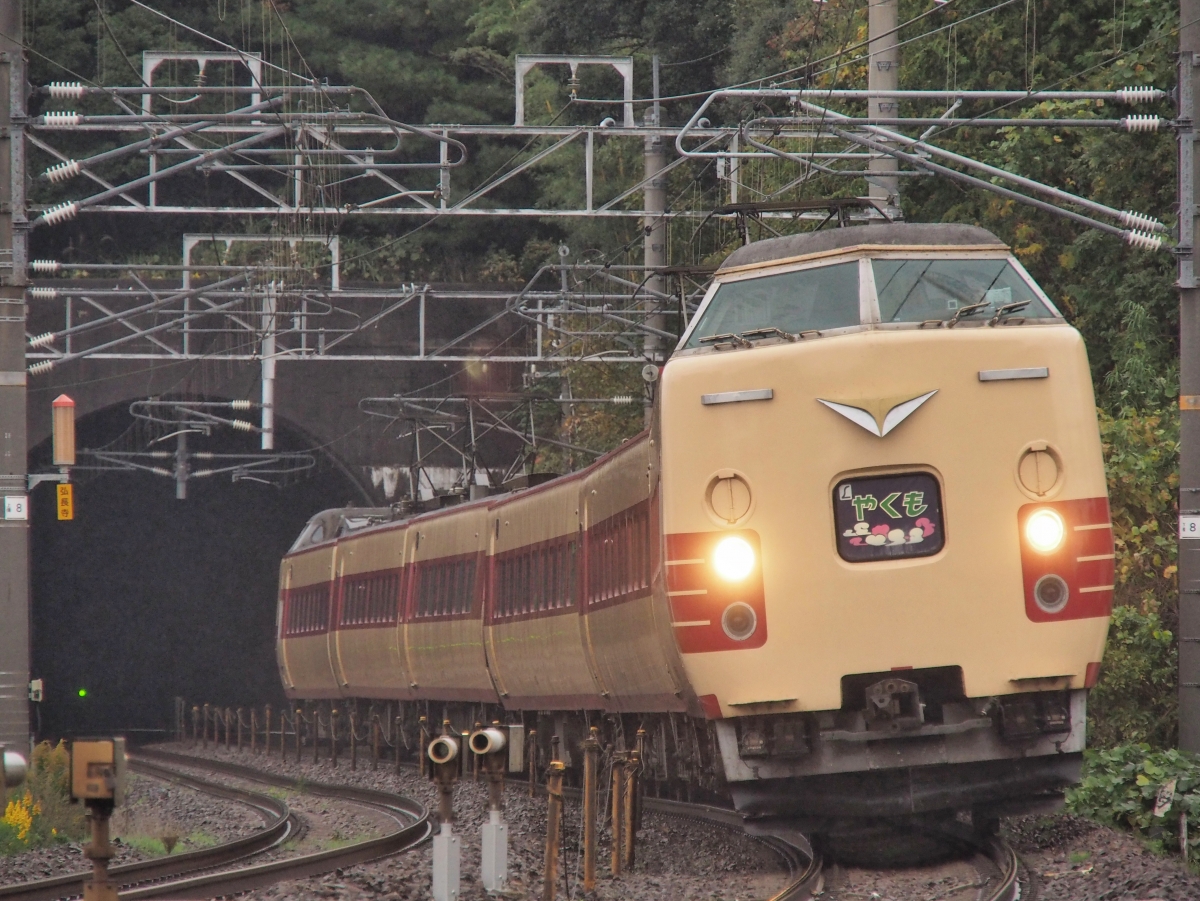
{"type": "Point", "coordinates": [1051, 593]}
{"type": "Point", "coordinates": [739, 621]}
{"type": "Point", "coordinates": [1045, 531]}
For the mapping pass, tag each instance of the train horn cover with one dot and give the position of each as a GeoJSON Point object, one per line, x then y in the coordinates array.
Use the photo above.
{"type": "Point", "coordinates": [1045, 531]}
{"type": "Point", "coordinates": [733, 558]}
{"type": "Point", "coordinates": [443, 749]}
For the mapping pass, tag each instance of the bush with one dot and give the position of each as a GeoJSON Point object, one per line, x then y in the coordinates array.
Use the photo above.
{"type": "Point", "coordinates": [1141, 457]}
{"type": "Point", "coordinates": [1135, 700]}
{"type": "Point", "coordinates": [1120, 787]}
{"type": "Point", "coordinates": [44, 814]}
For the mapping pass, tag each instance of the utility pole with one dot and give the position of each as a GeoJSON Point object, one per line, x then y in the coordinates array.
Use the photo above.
{"type": "Point", "coordinates": [655, 240]}
{"type": "Point", "coordinates": [1189, 381]}
{"type": "Point", "coordinates": [14, 528]}
{"type": "Point", "coordinates": [883, 74]}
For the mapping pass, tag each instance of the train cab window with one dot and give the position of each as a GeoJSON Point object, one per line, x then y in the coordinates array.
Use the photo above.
{"type": "Point", "coordinates": [825, 297]}
{"type": "Point", "coordinates": [924, 290]}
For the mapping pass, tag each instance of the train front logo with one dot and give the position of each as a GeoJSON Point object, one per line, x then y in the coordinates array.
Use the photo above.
{"type": "Point", "coordinates": [841, 630]}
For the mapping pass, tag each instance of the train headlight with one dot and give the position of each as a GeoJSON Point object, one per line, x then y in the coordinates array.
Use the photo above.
{"type": "Point", "coordinates": [1045, 531]}
{"type": "Point", "coordinates": [733, 558]}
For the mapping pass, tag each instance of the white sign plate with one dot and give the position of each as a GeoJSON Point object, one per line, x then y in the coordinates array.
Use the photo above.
{"type": "Point", "coordinates": [16, 506]}
{"type": "Point", "coordinates": [1189, 526]}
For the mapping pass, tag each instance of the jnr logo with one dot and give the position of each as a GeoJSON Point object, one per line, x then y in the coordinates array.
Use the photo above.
{"type": "Point", "coordinates": [879, 415]}
{"type": "Point", "coordinates": [846, 493]}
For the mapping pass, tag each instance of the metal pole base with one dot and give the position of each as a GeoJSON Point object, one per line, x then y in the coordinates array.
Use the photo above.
{"type": "Point", "coordinates": [494, 870]}
{"type": "Point", "coordinates": [447, 856]}
{"type": "Point", "coordinates": [99, 891]}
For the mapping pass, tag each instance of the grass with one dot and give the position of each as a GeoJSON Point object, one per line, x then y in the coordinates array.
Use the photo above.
{"type": "Point", "coordinates": [147, 845]}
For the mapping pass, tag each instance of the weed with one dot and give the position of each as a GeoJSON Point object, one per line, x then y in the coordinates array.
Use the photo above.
{"type": "Point", "coordinates": [150, 847]}
{"type": "Point", "coordinates": [1078, 857]}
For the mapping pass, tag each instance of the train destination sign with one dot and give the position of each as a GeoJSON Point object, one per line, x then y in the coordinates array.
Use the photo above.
{"type": "Point", "coordinates": [886, 517]}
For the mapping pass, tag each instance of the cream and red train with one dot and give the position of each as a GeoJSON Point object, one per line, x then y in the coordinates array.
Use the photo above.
{"type": "Point", "coordinates": [861, 566]}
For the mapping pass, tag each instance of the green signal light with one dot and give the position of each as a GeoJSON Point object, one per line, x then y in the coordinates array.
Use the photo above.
{"type": "Point", "coordinates": [83, 692]}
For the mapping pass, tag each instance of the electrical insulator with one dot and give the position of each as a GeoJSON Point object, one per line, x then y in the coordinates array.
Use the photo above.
{"type": "Point", "coordinates": [1141, 123]}
{"type": "Point", "coordinates": [1140, 95]}
{"type": "Point", "coordinates": [41, 366]}
{"type": "Point", "coordinates": [239, 405]}
{"type": "Point", "coordinates": [60, 120]}
{"type": "Point", "coordinates": [1130, 219]}
{"type": "Point", "coordinates": [44, 267]}
{"type": "Point", "coordinates": [60, 213]}
{"type": "Point", "coordinates": [63, 171]}
{"type": "Point", "coordinates": [623, 399]}
{"type": "Point", "coordinates": [1142, 240]}
{"type": "Point", "coordinates": [242, 426]}
{"type": "Point", "coordinates": [64, 431]}
{"type": "Point", "coordinates": [42, 340]}
{"type": "Point", "coordinates": [43, 293]}
{"type": "Point", "coordinates": [66, 90]}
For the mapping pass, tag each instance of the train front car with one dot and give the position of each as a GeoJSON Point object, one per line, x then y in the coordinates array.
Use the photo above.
{"type": "Point", "coordinates": [889, 555]}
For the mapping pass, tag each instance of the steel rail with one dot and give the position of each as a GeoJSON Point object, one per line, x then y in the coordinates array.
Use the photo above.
{"type": "Point", "coordinates": [410, 815]}
{"type": "Point", "coordinates": [1009, 865]}
{"type": "Point", "coordinates": [280, 825]}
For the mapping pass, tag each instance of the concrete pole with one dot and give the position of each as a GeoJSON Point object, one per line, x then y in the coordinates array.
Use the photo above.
{"type": "Point", "coordinates": [883, 74]}
{"type": "Point", "coordinates": [268, 368]}
{"type": "Point", "coordinates": [14, 532]}
{"type": "Point", "coordinates": [655, 240]}
{"type": "Point", "coordinates": [1189, 379]}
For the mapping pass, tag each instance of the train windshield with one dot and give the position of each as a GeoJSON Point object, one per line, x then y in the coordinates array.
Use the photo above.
{"type": "Point", "coordinates": [923, 290]}
{"type": "Point", "coordinates": [812, 299]}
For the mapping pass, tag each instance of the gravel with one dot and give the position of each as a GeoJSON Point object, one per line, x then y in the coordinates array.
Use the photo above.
{"type": "Point", "coordinates": [1073, 859]}
{"type": "Point", "coordinates": [1077, 860]}
{"type": "Point", "coordinates": [152, 810]}
{"type": "Point", "coordinates": [677, 859]}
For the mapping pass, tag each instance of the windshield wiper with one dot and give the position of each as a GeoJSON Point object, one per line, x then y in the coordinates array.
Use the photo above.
{"type": "Point", "coordinates": [769, 331]}
{"type": "Point", "coordinates": [969, 310]}
{"type": "Point", "coordinates": [1007, 310]}
{"type": "Point", "coordinates": [728, 338]}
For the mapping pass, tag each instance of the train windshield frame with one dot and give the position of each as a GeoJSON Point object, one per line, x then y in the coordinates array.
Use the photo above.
{"type": "Point", "coordinates": [900, 289]}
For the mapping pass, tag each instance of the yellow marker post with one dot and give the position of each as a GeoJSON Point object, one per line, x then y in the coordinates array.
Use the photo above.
{"type": "Point", "coordinates": [66, 501]}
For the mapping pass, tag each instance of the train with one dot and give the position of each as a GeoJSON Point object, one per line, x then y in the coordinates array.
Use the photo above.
{"type": "Point", "coordinates": [856, 574]}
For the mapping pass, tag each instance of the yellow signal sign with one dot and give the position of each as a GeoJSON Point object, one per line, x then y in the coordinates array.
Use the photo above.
{"type": "Point", "coordinates": [66, 501]}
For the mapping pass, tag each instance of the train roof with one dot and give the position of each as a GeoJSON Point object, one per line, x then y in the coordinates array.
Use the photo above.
{"type": "Point", "coordinates": [896, 233]}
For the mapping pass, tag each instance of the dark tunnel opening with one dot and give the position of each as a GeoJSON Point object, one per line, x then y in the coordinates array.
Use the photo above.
{"type": "Point", "coordinates": [143, 597]}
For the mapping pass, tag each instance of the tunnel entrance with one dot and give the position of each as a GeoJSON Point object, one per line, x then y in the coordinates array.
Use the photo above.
{"type": "Point", "coordinates": [144, 597]}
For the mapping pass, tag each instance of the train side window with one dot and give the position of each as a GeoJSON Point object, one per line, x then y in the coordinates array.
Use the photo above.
{"type": "Point", "coordinates": [307, 611]}
{"type": "Point", "coordinates": [824, 297]}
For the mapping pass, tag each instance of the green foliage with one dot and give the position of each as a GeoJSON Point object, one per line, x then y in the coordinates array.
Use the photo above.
{"type": "Point", "coordinates": [1135, 699]}
{"type": "Point", "coordinates": [10, 839]}
{"type": "Point", "coordinates": [1119, 787]}
{"type": "Point", "coordinates": [1141, 452]}
{"type": "Point", "coordinates": [49, 783]}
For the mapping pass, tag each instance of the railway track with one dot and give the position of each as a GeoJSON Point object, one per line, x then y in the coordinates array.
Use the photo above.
{"type": "Point", "coordinates": [206, 873]}
{"type": "Point", "coordinates": [227, 869]}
